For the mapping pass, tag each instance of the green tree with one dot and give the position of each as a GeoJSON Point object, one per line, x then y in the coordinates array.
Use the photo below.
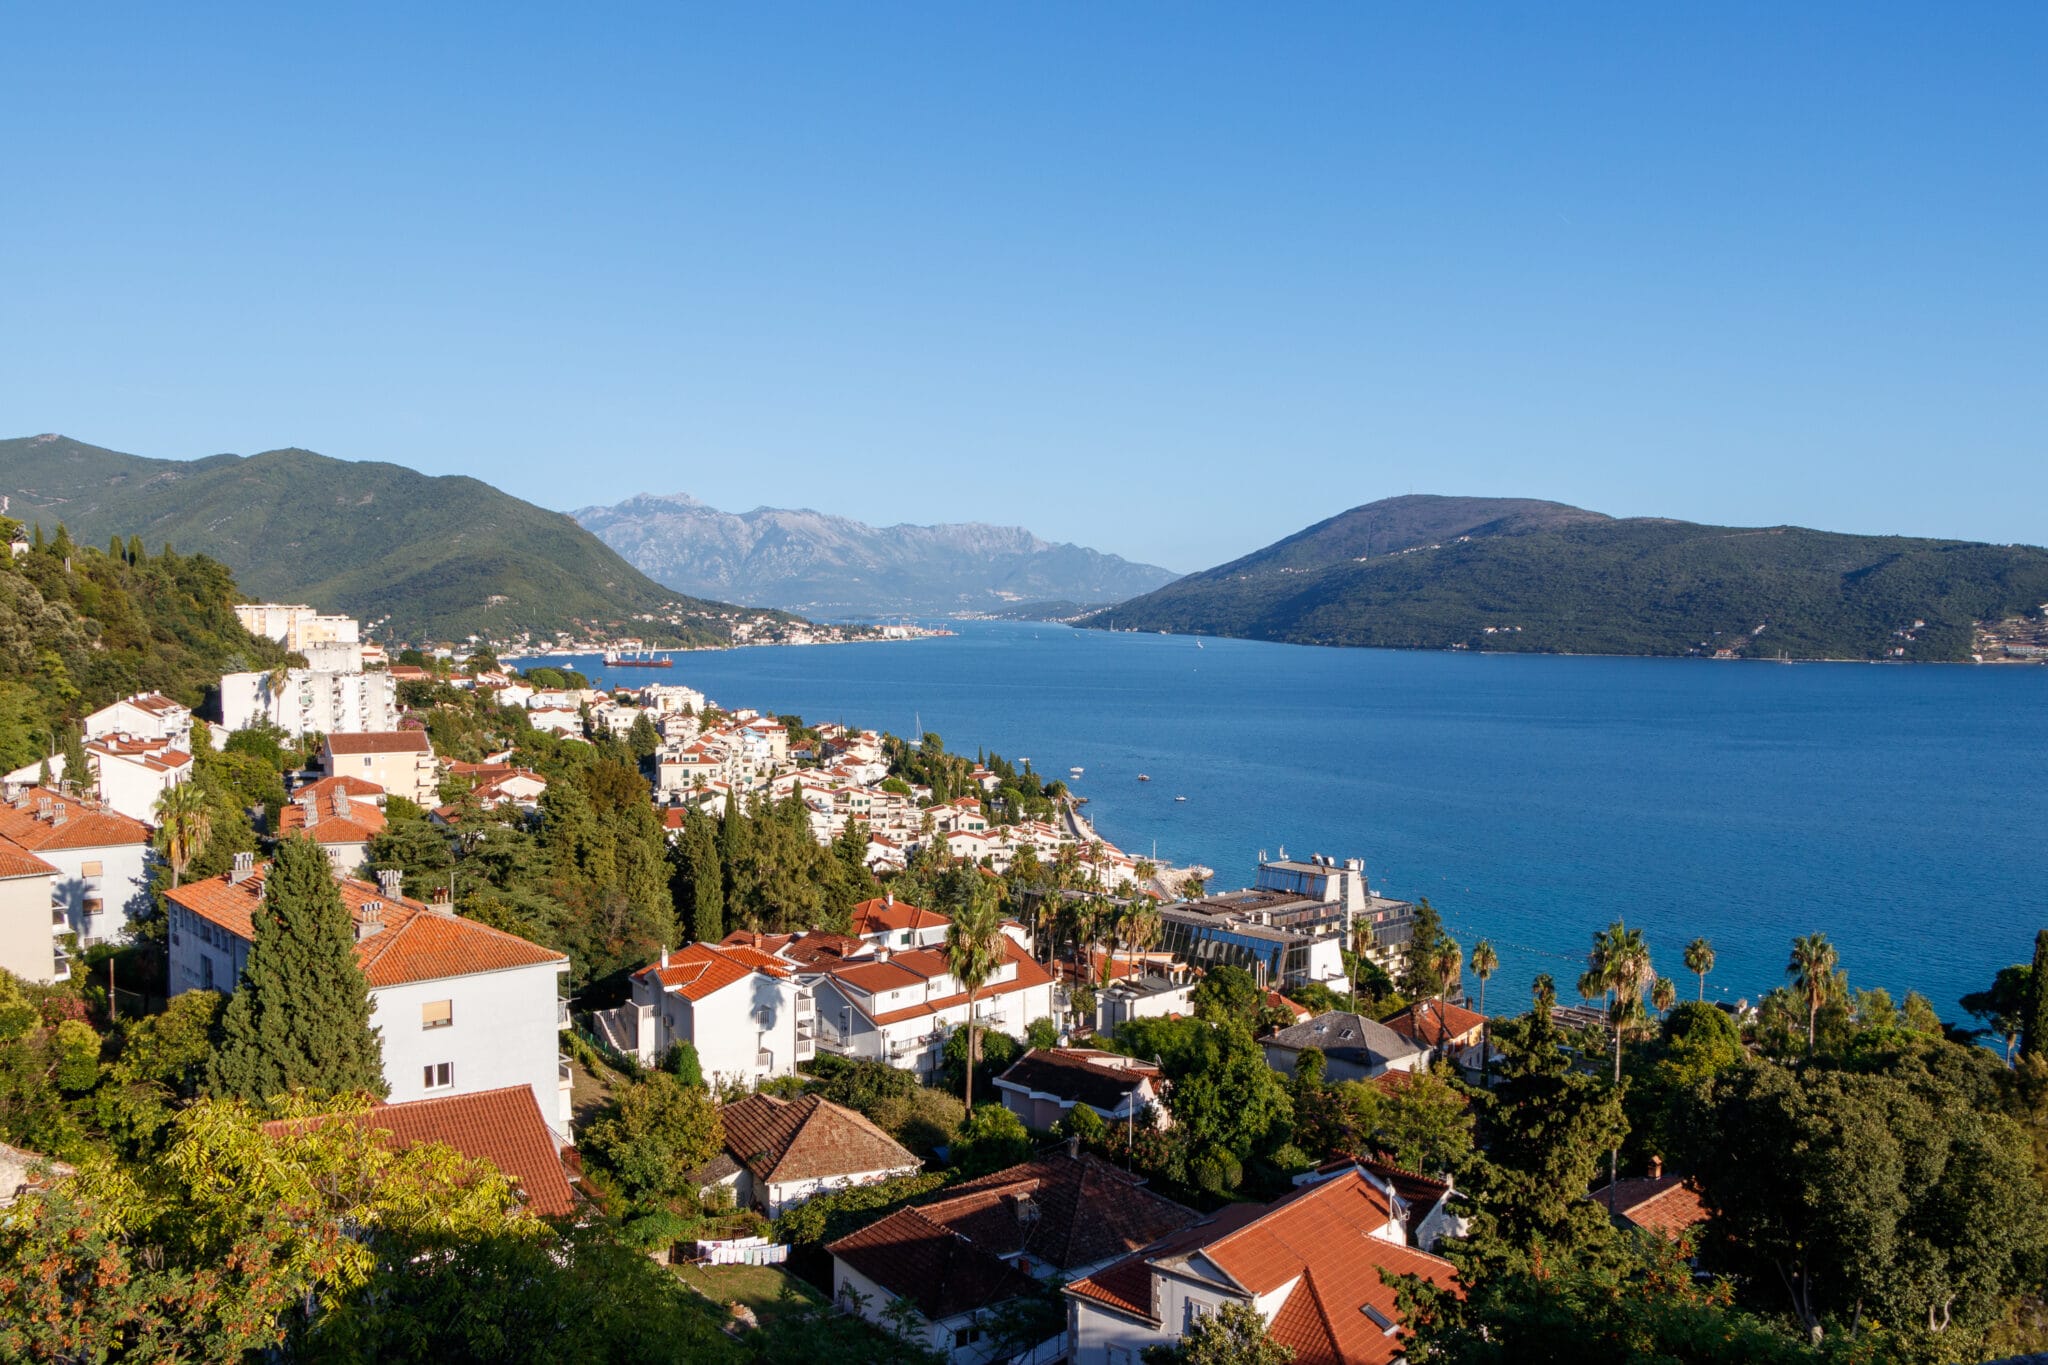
{"type": "Point", "coordinates": [1425, 1124]}
{"type": "Point", "coordinates": [300, 1018]}
{"type": "Point", "coordinates": [683, 1064]}
{"type": "Point", "coordinates": [1228, 995]}
{"type": "Point", "coordinates": [991, 1139]}
{"type": "Point", "coordinates": [974, 949]}
{"type": "Point", "coordinates": [1485, 962]}
{"type": "Point", "coordinates": [183, 823]}
{"type": "Point", "coordinates": [1234, 1334]}
{"type": "Point", "coordinates": [1418, 978]}
{"type": "Point", "coordinates": [656, 1132]}
{"type": "Point", "coordinates": [2004, 1004]}
{"type": "Point", "coordinates": [2034, 1037]}
{"type": "Point", "coordinates": [77, 768]}
{"type": "Point", "coordinates": [1812, 970]}
{"type": "Point", "coordinates": [1699, 960]}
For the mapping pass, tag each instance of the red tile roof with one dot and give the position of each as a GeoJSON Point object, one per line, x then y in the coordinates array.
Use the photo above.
{"type": "Point", "coordinates": [914, 1258]}
{"type": "Point", "coordinates": [356, 787]}
{"type": "Point", "coordinates": [879, 916]}
{"type": "Point", "coordinates": [503, 1127]}
{"type": "Point", "coordinates": [84, 825]}
{"type": "Point", "coordinates": [363, 822]}
{"type": "Point", "coordinates": [381, 742]}
{"type": "Point", "coordinates": [1319, 1239]}
{"type": "Point", "coordinates": [1436, 1023]}
{"type": "Point", "coordinates": [1088, 1211]}
{"type": "Point", "coordinates": [915, 968]}
{"type": "Point", "coordinates": [698, 970]}
{"type": "Point", "coordinates": [808, 1138]}
{"type": "Point", "coordinates": [415, 944]}
{"type": "Point", "coordinates": [1668, 1204]}
{"type": "Point", "coordinates": [16, 861]}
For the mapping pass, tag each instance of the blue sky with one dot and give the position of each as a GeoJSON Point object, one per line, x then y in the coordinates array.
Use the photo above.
{"type": "Point", "coordinates": [1172, 281]}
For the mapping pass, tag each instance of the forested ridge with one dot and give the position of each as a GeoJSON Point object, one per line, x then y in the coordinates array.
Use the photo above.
{"type": "Point", "coordinates": [1500, 574]}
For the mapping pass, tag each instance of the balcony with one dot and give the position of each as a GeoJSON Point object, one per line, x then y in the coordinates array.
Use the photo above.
{"type": "Point", "coordinates": [764, 1060]}
{"type": "Point", "coordinates": [561, 1013]}
{"type": "Point", "coordinates": [565, 1075]}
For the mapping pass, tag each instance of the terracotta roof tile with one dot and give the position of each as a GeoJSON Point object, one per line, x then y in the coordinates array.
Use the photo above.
{"type": "Point", "coordinates": [808, 1138]}
{"type": "Point", "coordinates": [942, 1273]}
{"type": "Point", "coordinates": [1435, 1023]}
{"type": "Point", "coordinates": [503, 1127]}
{"type": "Point", "coordinates": [1088, 1211]}
{"type": "Point", "coordinates": [1081, 1075]}
{"type": "Point", "coordinates": [416, 943]}
{"type": "Point", "coordinates": [882, 916]}
{"type": "Point", "coordinates": [697, 970]}
{"type": "Point", "coordinates": [1668, 1204]}
{"type": "Point", "coordinates": [16, 861]}
{"type": "Point", "coordinates": [84, 824]}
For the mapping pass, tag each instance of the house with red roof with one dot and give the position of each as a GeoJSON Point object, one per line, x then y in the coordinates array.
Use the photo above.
{"type": "Point", "coordinates": [334, 817]}
{"type": "Point", "coordinates": [131, 772]}
{"type": "Point", "coordinates": [462, 1008]}
{"type": "Point", "coordinates": [103, 860]}
{"type": "Point", "coordinates": [788, 1151]}
{"type": "Point", "coordinates": [899, 1006]}
{"type": "Point", "coordinates": [1043, 1086]}
{"type": "Point", "coordinates": [1667, 1205]}
{"type": "Point", "coordinates": [887, 922]}
{"type": "Point", "coordinates": [740, 1006]}
{"type": "Point", "coordinates": [503, 1127]}
{"type": "Point", "coordinates": [1309, 1264]}
{"type": "Point", "coordinates": [957, 1259]}
{"type": "Point", "coordinates": [1444, 1029]}
{"type": "Point", "coordinates": [399, 761]}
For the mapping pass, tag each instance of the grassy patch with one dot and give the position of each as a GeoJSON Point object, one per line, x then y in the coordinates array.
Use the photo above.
{"type": "Point", "coordinates": [769, 1290]}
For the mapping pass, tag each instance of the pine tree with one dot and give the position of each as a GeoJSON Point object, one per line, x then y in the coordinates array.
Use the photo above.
{"type": "Point", "coordinates": [2034, 1035]}
{"type": "Point", "coordinates": [77, 771]}
{"type": "Point", "coordinates": [136, 554]}
{"type": "Point", "coordinates": [707, 881]}
{"type": "Point", "coordinates": [300, 1018]}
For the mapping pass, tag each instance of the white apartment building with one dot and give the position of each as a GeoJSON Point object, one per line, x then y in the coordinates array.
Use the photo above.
{"type": "Point", "coordinates": [742, 1009]}
{"type": "Point", "coordinates": [899, 1007]}
{"type": "Point", "coordinates": [310, 702]}
{"type": "Point", "coordinates": [145, 716]}
{"type": "Point", "coordinates": [462, 1008]}
{"type": "Point", "coordinates": [103, 861]}
{"type": "Point", "coordinates": [297, 626]}
{"type": "Point", "coordinates": [130, 773]}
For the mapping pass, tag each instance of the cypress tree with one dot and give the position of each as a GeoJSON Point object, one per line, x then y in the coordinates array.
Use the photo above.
{"type": "Point", "coordinates": [77, 771]}
{"type": "Point", "coordinates": [300, 1018]}
{"type": "Point", "coordinates": [2034, 1034]}
{"type": "Point", "coordinates": [136, 554]}
{"type": "Point", "coordinates": [707, 881]}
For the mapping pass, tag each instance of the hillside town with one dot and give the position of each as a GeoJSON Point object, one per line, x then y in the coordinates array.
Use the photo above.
{"type": "Point", "coordinates": [984, 1086]}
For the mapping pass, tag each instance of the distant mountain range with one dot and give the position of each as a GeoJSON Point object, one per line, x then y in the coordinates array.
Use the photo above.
{"type": "Point", "coordinates": [825, 565]}
{"type": "Point", "coordinates": [439, 558]}
{"type": "Point", "coordinates": [1425, 572]}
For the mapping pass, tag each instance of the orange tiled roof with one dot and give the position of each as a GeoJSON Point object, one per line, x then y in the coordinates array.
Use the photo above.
{"type": "Point", "coordinates": [503, 1127]}
{"type": "Point", "coordinates": [85, 825]}
{"type": "Point", "coordinates": [150, 753]}
{"type": "Point", "coordinates": [808, 1138]}
{"type": "Point", "coordinates": [363, 822]}
{"type": "Point", "coordinates": [355, 787]}
{"type": "Point", "coordinates": [698, 970]}
{"type": "Point", "coordinates": [1668, 1204]}
{"type": "Point", "coordinates": [415, 944]}
{"type": "Point", "coordinates": [879, 916]}
{"type": "Point", "coordinates": [16, 861]}
{"type": "Point", "coordinates": [1435, 1023]}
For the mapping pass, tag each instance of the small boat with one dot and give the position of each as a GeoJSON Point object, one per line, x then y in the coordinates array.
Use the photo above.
{"type": "Point", "coordinates": [1144, 777]}
{"type": "Point", "coordinates": [1180, 798]}
{"type": "Point", "coordinates": [1074, 772]}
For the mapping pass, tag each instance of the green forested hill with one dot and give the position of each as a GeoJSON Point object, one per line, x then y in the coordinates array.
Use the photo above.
{"type": "Point", "coordinates": [1434, 573]}
{"type": "Point", "coordinates": [432, 557]}
{"type": "Point", "coordinates": [81, 626]}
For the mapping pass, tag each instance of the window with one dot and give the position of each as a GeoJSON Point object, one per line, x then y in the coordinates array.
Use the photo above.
{"type": "Point", "coordinates": [366, 760]}
{"type": "Point", "coordinates": [91, 869]}
{"type": "Point", "coordinates": [437, 1014]}
{"type": "Point", "coordinates": [438, 1076]}
{"type": "Point", "coordinates": [966, 1336]}
{"type": "Point", "coordinates": [1191, 1313]}
{"type": "Point", "coordinates": [206, 972]}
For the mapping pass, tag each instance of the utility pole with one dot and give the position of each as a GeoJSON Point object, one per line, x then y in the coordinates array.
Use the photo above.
{"type": "Point", "coordinates": [113, 1002]}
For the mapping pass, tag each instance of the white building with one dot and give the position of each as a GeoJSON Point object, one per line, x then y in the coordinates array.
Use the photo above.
{"type": "Point", "coordinates": [789, 1151]}
{"type": "Point", "coordinates": [399, 761]}
{"type": "Point", "coordinates": [462, 1008]}
{"type": "Point", "coordinates": [738, 1006]}
{"type": "Point", "coordinates": [899, 1007]}
{"type": "Point", "coordinates": [146, 715]}
{"type": "Point", "coordinates": [130, 774]}
{"type": "Point", "coordinates": [1044, 1085]}
{"type": "Point", "coordinates": [310, 702]}
{"type": "Point", "coordinates": [1308, 1264]}
{"type": "Point", "coordinates": [29, 947]}
{"type": "Point", "coordinates": [298, 627]}
{"type": "Point", "coordinates": [103, 861]}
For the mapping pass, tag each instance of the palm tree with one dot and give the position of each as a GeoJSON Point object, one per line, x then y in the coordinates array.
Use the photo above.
{"type": "Point", "coordinates": [1362, 938]}
{"type": "Point", "coordinates": [1543, 994]}
{"type": "Point", "coordinates": [974, 949]}
{"type": "Point", "coordinates": [183, 827]}
{"type": "Point", "coordinates": [1620, 962]}
{"type": "Point", "coordinates": [1812, 970]}
{"type": "Point", "coordinates": [1485, 962]}
{"type": "Point", "coordinates": [1699, 960]}
{"type": "Point", "coordinates": [1663, 995]}
{"type": "Point", "coordinates": [1446, 965]}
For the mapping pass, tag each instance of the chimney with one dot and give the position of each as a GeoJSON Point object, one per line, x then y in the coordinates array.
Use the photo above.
{"type": "Point", "coordinates": [890, 900]}
{"type": "Point", "coordinates": [370, 921]}
{"type": "Point", "coordinates": [664, 955]}
{"type": "Point", "coordinates": [389, 881]}
{"type": "Point", "coordinates": [1073, 1147]}
{"type": "Point", "coordinates": [440, 903]}
{"type": "Point", "coordinates": [340, 802]}
{"type": "Point", "coordinates": [1656, 1168]}
{"type": "Point", "coordinates": [244, 868]}
{"type": "Point", "coordinates": [57, 814]}
{"type": "Point", "coordinates": [881, 952]}
{"type": "Point", "coordinates": [42, 808]}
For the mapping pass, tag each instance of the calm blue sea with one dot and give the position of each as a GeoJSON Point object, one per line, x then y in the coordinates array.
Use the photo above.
{"type": "Point", "coordinates": [1901, 810]}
